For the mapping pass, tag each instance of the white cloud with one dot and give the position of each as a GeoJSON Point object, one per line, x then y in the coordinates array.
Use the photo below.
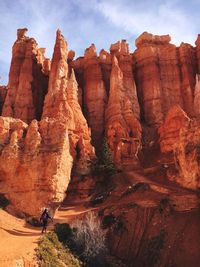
{"type": "Point", "coordinates": [92, 21]}
{"type": "Point", "coordinates": [158, 18]}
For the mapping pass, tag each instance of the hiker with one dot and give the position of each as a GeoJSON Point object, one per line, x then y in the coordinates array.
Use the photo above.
{"type": "Point", "coordinates": [44, 220]}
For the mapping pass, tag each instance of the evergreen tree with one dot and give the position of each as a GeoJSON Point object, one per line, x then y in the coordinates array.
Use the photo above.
{"type": "Point", "coordinates": [104, 164]}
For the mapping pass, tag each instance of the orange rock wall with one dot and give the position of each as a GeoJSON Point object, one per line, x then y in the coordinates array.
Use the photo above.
{"type": "Point", "coordinates": [116, 94]}
{"type": "Point", "coordinates": [28, 83]}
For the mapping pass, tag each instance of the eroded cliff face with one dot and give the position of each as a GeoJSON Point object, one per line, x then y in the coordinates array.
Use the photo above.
{"type": "Point", "coordinates": [142, 102]}
{"type": "Point", "coordinates": [39, 157]}
{"type": "Point", "coordinates": [61, 103]}
{"type": "Point", "coordinates": [123, 130]}
{"type": "Point", "coordinates": [165, 76]}
{"type": "Point", "coordinates": [35, 163]}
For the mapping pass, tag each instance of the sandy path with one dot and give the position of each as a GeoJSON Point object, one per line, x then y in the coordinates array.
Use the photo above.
{"type": "Point", "coordinates": [17, 241]}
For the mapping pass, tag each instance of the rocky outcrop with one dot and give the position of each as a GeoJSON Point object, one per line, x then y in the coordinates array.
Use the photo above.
{"type": "Point", "coordinates": [157, 76]}
{"type": "Point", "coordinates": [197, 96]}
{"type": "Point", "coordinates": [180, 135]}
{"type": "Point", "coordinates": [123, 129]}
{"type": "Point", "coordinates": [61, 102]}
{"type": "Point", "coordinates": [27, 84]}
{"type": "Point", "coordinates": [197, 43]}
{"type": "Point", "coordinates": [121, 51]}
{"type": "Point", "coordinates": [35, 163]}
{"type": "Point", "coordinates": [94, 92]}
{"type": "Point", "coordinates": [188, 73]}
{"type": "Point", "coordinates": [187, 156]}
{"type": "Point", "coordinates": [3, 92]}
{"type": "Point", "coordinates": [169, 132]}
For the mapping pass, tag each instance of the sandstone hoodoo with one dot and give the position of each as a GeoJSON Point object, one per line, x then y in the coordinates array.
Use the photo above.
{"type": "Point", "coordinates": [123, 130]}
{"type": "Point", "coordinates": [142, 102]}
{"type": "Point", "coordinates": [42, 154]}
{"type": "Point", "coordinates": [35, 164]}
{"type": "Point", "coordinates": [28, 81]}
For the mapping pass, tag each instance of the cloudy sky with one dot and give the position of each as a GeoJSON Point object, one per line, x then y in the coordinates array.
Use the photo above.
{"type": "Point", "coordinates": [94, 21]}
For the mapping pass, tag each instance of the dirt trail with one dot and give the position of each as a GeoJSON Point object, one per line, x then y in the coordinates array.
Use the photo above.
{"type": "Point", "coordinates": [17, 242]}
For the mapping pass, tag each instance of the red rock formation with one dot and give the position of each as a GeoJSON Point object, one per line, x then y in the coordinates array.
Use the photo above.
{"type": "Point", "coordinates": [3, 92]}
{"type": "Point", "coordinates": [90, 79]}
{"type": "Point", "coordinates": [123, 130]}
{"type": "Point", "coordinates": [121, 51]}
{"type": "Point", "coordinates": [197, 43]}
{"type": "Point", "coordinates": [187, 156]}
{"type": "Point", "coordinates": [188, 72]}
{"type": "Point", "coordinates": [27, 84]}
{"type": "Point", "coordinates": [197, 96]}
{"type": "Point", "coordinates": [61, 102]}
{"type": "Point", "coordinates": [94, 77]}
{"type": "Point", "coordinates": [157, 76]}
{"type": "Point", "coordinates": [95, 97]}
{"type": "Point", "coordinates": [107, 89]}
{"type": "Point", "coordinates": [35, 163]}
{"type": "Point", "coordinates": [175, 120]}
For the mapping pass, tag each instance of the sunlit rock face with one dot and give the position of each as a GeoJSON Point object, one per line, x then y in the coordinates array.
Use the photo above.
{"type": "Point", "coordinates": [123, 130]}
{"type": "Point", "coordinates": [61, 102]}
{"type": "Point", "coordinates": [40, 156]}
{"type": "Point", "coordinates": [165, 76]}
{"type": "Point", "coordinates": [28, 80]}
{"type": "Point", "coordinates": [35, 163]}
{"type": "Point", "coordinates": [60, 109]}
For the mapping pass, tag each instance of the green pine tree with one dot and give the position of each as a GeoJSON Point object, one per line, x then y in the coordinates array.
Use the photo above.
{"type": "Point", "coordinates": [104, 164]}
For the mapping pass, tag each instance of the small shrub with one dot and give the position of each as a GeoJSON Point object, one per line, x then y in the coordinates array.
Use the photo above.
{"type": "Point", "coordinates": [108, 221]}
{"type": "Point", "coordinates": [90, 240]}
{"type": "Point", "coordinates": [51, 252]}
{"type": "Point", "coordinates": [64, 232]}
{"type": "Point", "coordinates": [4, 202]}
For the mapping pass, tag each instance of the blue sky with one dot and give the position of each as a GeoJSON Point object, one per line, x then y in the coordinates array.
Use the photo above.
{"type": "Point", "coordinates": [94, 21]}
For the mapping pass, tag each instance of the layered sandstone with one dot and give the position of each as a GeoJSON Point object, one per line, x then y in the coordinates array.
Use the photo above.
{"type": "Point", "coordinates": [61, 102]}
{"type": "Point", "coordinates": [3, 92]}
{"type": "Point", "coordinates": [123, 130]}
{"type": "Point", "coordinates": [27, 84]}
{"type": "Point", "coordinates": [35, 163]}
{"type": "Point", "coordinates": [187, 156]}
{"type": "Point", "coordinates": [197, 43]}
{"type": "Point", "coordinates": [113, 94]}
{"type": "Point", "coordinates": [169, 131]}
{"type": "Point", "coordinates": [94, 92]}
{"type": "Point", "coordinates": [94, 74]}
{"type": "Point", "coordinates": [157, 76]}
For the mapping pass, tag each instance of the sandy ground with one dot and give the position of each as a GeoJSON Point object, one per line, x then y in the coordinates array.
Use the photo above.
{"type": "Point", "coordinates": [17, 242]}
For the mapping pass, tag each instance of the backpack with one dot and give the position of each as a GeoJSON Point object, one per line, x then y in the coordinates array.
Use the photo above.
{"type": "Point", "coordinates": [45, 216]}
